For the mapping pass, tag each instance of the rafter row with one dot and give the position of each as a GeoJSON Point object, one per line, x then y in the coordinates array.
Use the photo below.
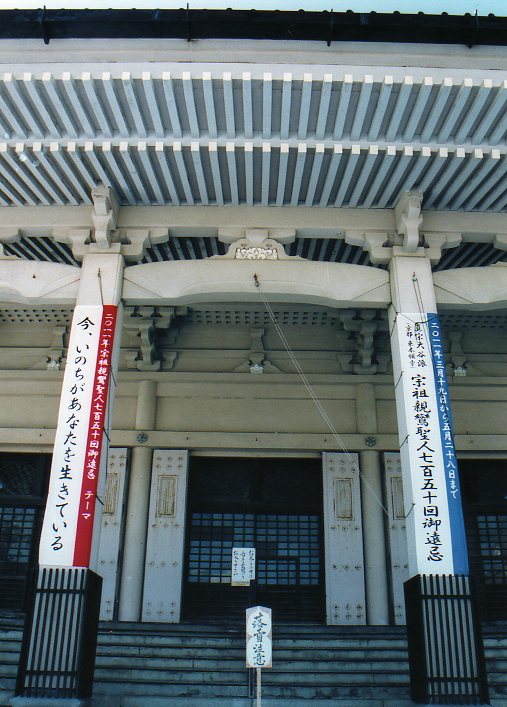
{"type": "Point", "coordinates": [447, 110]}
{"type": "Point", "coordinates": [232, 174]}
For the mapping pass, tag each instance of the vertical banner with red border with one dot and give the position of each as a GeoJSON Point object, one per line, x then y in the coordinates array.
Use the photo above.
{"type": "Point", "coordinates": [83, 423]}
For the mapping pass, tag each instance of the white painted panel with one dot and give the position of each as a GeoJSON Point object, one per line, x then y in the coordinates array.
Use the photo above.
{"type": "Point", "coordinates": [166, 530]}
{"type": "Point", "coordinates": [111, 530]}
{"type": "Point", "coordinates": [397, 533]}
{"type": "Point", "coordinates": [345, 592]}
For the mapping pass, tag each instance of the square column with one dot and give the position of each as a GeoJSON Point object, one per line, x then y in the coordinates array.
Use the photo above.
{"type": "Point", "coordinates": [445, 649]}
{"type": "Point", "coordinates": [435, 528]}
{"type": "Point", "coordinates": [84, 416]}
{"type": "Point", "coordinates": [63, 621]}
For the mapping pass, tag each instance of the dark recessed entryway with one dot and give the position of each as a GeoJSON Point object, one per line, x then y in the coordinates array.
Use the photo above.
{"type": "Point", "coordinates": [23, 488]}
{"type": "Point", "coordinates": [273, 505]}
{"type": "Point", "coordinates": [484, 489]}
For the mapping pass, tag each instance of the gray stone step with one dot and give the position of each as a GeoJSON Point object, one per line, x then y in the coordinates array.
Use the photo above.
{"type": "Point", "coordinates": [11, 634]}
{"type": "Point", "coordinates": [496, 653]}
{"type": "Point", "coordinates": [8, 683]}
{"type": "Point", "coordinates": [167, 642]}
{"type": "Point", "coordinates": [319, 632]}
{"type": "Point", "coordinates": [8, 666]}
{"type": "Point", "coordinates": [293, 692]}
{"type": "Point", "coordinates": [10, 641]}
{"type": "Point", "coordinates": [217, 664]}
{"type": "Point", "coordinates": [112, 701]}
{"type": "Point", "coordinates": [140, 665]}
{"type": "Point", "coordinates": [119, 638]}
{"type": "Point", "coordinates": [227, 678]}
{"type": "Point", "coordinates": [10, 649]}
{"type": "Point", "coordinates": [146, 653]}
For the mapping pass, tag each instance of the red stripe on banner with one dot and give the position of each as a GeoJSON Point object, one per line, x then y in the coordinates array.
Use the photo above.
{"type": "Point", "coordinates": [96, 427]}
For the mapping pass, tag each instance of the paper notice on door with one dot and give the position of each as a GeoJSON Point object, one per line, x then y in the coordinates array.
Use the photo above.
{"type": "Point", "coordinates": [243, 566]}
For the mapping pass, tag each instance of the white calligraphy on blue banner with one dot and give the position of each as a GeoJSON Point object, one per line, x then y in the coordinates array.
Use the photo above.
{"type": "Point", "coordinates": [459, 546]}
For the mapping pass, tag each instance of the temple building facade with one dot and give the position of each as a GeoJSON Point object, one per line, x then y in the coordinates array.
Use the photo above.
{"type": "Point", "coordinates": [253, 295]}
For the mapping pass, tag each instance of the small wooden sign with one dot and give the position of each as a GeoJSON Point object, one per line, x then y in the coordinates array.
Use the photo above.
{"type": "Point", "coordinates": [259, 647]}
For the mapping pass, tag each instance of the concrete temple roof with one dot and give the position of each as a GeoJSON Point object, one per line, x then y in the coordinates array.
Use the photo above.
{"type": "Point", "coordinates": [313, 111]}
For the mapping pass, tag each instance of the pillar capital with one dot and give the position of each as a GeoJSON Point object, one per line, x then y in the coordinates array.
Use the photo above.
{"type": "Point", "coordinates": [382, 246]}
{"type": "Point", "coordinates": [409, 237]}
{"type": "Point", "coordinates": [104, 235]}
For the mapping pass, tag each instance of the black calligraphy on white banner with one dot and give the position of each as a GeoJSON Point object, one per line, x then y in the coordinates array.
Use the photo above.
{"type": "Point", "coordinates": [61, 516]}
{"type": "Point", "coordinates": [417, 402]}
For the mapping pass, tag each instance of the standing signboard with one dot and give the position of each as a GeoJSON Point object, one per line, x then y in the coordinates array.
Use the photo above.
{"type": "Point", "coordinates": [259, 648]}
{"type": "Point", "coordinates": [258, 637]}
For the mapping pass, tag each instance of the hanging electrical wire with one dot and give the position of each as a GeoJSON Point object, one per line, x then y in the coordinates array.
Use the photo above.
{"type": "Point", "coordinates": [313, 395]}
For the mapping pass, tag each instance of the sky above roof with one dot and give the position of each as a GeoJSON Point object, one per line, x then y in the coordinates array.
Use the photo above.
{"type": "Point", "coordinates": [456, 7]}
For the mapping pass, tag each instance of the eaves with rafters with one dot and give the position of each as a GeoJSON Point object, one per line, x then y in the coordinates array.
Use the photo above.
{"type": "Point", "coordinates": [313, 135]}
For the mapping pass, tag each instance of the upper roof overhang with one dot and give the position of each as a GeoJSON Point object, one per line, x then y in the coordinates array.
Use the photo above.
{"type": "Point", "coordinates": [189, 24]}
{"type": "Point", "coordinates": [122, 98]}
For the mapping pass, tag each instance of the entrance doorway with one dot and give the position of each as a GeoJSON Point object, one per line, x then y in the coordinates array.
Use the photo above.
{"type": "Point", "coordinates": [484, 489]}
{"type": "Point", "coordinates": [23, 487]}
{"type": "Point", "coordinates": [272, 505]}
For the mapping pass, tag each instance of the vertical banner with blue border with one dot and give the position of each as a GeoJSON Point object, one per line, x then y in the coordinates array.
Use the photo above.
{"type": "Point", "coordinates": [434, 517]}
{"type": "Point", "coordinates": [457, 526]}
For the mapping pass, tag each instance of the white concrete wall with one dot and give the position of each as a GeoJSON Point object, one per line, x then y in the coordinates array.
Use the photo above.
{"type": "Point", "coordinates": [203, 398]}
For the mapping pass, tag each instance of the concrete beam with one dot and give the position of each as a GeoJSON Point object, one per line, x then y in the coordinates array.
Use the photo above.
{"type": "Point", "coordinates": [216, 280]}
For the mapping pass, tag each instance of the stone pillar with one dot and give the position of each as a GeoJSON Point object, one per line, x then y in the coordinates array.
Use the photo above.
{"type": "Point", "coordinates": [374, 540]}
{"type": "Point", "coordinates": [137, 514]}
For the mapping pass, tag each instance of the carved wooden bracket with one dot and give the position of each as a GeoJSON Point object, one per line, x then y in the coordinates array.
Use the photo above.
{"type": "Point", "coordinates": [257, 360]}
{"type": "Point", "coordinates": [149, 324]}
{"type": "Point", "coordinates": [55, 359]}
{"type": "Point", "coordinates": [365, 326]}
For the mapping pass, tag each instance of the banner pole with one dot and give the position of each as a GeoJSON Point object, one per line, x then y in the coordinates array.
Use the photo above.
{"type": "Point", "coordinates": [259, 671]}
